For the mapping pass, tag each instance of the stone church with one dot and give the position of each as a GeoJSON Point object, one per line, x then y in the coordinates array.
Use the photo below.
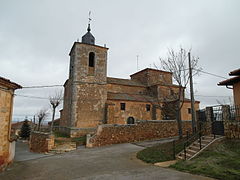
{"type": "Point", "coordinates": [91, 98]}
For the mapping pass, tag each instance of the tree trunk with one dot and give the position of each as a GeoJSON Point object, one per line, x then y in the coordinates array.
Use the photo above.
{"type": "Point", "coordinates": [39, 123]}
{"type": "Point", "coordinates": [53, 116]}
{"type": "Point", "coordinates": [179, 121]}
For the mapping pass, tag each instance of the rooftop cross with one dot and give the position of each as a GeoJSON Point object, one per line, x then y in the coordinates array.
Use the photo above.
{"type": "Point", "coordinates": [89, 20]}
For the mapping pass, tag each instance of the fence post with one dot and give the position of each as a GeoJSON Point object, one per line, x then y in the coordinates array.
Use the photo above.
{"type": "Point", "coordinates": [174, 150]}
{"type": "Point", "coordinates": [185, 153]}
{"type": "Point", "coordinates": [209, 120]}
{"type": "Point", "coordinates": [200, 140]}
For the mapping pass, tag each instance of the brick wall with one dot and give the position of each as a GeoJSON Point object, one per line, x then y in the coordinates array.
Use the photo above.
{"type": "Point", "coordinates": [41, 142]}
{"type": "Point", "coordinates": [143, 130]}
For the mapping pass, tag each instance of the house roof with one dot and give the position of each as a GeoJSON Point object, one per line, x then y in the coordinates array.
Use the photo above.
{"type": "Point", "coordinates": [235, 72]}
{"type": "Point", "coordinates": [150, 69]}
{"type": "Point", "coordinates": [128, 82]}
{"type": "Point", "coordinates": [189, 100]}
{"type": "Point", "coordinates": [56, 121]}
{"type": "Point", "coordinates": [129, 97]}
{"type": "Point", "coordinates": [229, 81]}
{"type": "Point", "coordinates": [9, 84]}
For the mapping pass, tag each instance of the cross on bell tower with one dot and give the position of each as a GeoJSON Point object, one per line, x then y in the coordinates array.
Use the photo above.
{"type": "Point", "coordinates": [88, 38]}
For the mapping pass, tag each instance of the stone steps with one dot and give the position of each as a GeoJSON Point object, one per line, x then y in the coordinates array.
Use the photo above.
{"type": "Point", "coordinates": [63, 147]}
{"type": "Point", "coordinates": [194, 148]}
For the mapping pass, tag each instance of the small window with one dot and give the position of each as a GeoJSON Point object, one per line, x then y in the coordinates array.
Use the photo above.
{"type": "Point", "coordinates": [91, 59]}
{"type": "Point", "coordinates": [148, 107]}
{"type": "Point", "coordinates": [123, 106]}
{"type": "Point", "coordinates": [189, 111]}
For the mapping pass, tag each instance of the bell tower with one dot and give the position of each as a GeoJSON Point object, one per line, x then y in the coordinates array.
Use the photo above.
{"type": "Point", "coordinates": [85, 91]}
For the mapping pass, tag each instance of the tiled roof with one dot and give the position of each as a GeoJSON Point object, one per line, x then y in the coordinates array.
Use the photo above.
{"type": "Point", "coordinates": [230, 81]}
{"type": "Point", "coordinates": [235, 72]}
{"type": "Point", "coordinates": [127, 82]}
{"type": "Point", "coordinates": [9, 84]}
{"type": "Point", "coordinates": [150, 69]}
{"type": "Point", "coordinates": [129, 97]}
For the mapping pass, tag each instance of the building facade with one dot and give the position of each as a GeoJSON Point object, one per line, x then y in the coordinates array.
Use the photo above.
{"type": "Point", "coordinates": [233, 83]}
{"type": "Point", "coordinates": [7, 145]}
{"type": "Point", "coordinates": [91, 98]}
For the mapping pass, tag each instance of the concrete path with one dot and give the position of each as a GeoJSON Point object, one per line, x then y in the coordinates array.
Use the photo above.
{"type": "Point", "coordinates": [109, 162]}
{"type": "Point", "coordinates": [22, 152]}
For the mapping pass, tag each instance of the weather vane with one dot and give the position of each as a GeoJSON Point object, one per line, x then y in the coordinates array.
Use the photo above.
{"type": "Point", "coordinates": [89, 17]}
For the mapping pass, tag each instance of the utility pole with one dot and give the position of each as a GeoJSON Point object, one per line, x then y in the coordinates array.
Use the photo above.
{"type": "Point", "coordinates": [192, 95]}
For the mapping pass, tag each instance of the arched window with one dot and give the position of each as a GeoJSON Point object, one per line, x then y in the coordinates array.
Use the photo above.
{"type": "Point", "coordinates": [130, 120]}
{"type": "Point", "coordinates": [91, 60]}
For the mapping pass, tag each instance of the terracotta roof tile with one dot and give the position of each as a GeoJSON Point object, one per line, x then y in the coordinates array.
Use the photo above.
{"type": "Point", "coordinates": [127, 82]}
{"type": "Point", "coordinates": [230, 81]}
{"type": "Point", "coordinates": [235, 72]}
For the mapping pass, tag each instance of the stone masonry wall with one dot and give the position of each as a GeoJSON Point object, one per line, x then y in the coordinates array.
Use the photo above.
{"type": "Point", "coordinates": [232, 130]}
{"type": "Point", "coordinates": [143, 130]}
{"type": "Point", "coordinates": [5, 126]}
{"type": "Point", "coordinates": [41, 142]}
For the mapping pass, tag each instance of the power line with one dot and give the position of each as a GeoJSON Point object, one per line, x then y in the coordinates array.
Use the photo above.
{"type": "Point", "coordinates": [44, 86]}
{"type": "Point", "coordinates": [210, 96]}
{"type": "Point", "coordinates": [211, 74]}
{"type": "Point", "coordinates": [29, 96]}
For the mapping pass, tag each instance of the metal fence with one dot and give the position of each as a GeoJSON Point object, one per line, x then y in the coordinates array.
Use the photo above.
{"type": "Point", "coordinates": [234, 113]}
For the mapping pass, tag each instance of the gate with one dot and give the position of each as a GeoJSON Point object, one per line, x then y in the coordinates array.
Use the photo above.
{"type": "Point", "coordinates": [215, 116]}
{"type": "Point", "coordinates": [218, 128]}
{"type": "Point", "coordinates": [217, 121]}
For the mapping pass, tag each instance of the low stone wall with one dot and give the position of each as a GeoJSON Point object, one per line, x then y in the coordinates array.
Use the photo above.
{"type": "Point", "coordinates": [143, 130]}
{"type": "Point", "coordinates": [232, 129]}
{"type": "Point", "coordinates": [75, 132]}
{"type": "Point", "coordinates": [41, 142]}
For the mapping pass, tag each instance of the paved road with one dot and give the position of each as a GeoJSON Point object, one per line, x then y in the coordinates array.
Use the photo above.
{"type": "Point", "coordinates": [23, 154]}
{"type": "Point", "coordinates": [109, 162]}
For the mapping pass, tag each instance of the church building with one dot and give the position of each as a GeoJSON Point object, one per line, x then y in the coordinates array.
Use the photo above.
{"type": "Point", "coordinates": [91, 98]}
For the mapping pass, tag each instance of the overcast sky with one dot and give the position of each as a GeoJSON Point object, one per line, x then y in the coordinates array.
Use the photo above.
{"type": "Point", "coordinates": [36, 37]}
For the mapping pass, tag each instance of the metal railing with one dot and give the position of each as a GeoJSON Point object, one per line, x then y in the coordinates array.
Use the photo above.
{"type": "Point", "coordinates": [190, 138]}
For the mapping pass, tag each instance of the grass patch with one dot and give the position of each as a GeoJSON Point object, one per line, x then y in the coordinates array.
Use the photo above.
{"type": "Point", "coordinates": [160, 152]}
{"type": "Point", "coordinates": [61, 137]}
{"type": "Point", "coordinates": [61, 134]}
{"type": "Point", "coordinates": [221, 161]}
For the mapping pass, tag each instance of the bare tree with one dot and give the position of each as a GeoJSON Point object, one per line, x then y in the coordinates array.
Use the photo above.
{"type": "Point", "coordinates": [42, 115]}
{"type": "Point", "coordinates": [55, 101]}
{"type": "Point", "coordinates": [177, 63]}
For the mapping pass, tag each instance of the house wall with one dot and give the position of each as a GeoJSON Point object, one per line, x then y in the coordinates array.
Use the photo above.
{"type": "Point", "coordinates": [6, 100]}
{"type": "Point", "coordinates": [151, 77]}
{"type": "Point", "coordinates": [65, 113]}
{"type": "Point", "coordinates": [184, 111]}
{"type": "Point", "coordinates": [137, 110]}
{"type": "Point", "coordinates": [236, 93]}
